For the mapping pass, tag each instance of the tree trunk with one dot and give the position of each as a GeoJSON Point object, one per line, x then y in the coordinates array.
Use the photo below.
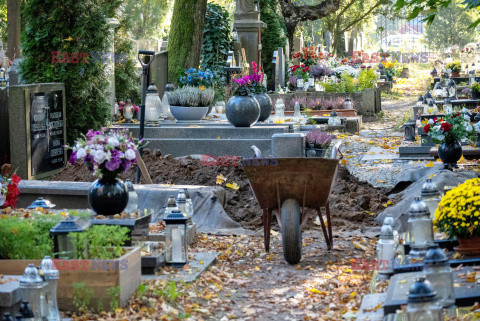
{"type": "Point", "coordinates": [13, 29]}
{"type": "Point", "coordinates": [186, 36]}
{"type": "Point", "coordinates": [291, 27]}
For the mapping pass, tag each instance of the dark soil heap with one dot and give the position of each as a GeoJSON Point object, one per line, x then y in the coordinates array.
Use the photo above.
{"type": "Point", "coordinates": [350, 199]}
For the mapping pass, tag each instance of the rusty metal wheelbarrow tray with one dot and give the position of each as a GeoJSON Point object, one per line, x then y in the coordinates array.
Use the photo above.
{"type": "Point", "coordinates": [306, 180]}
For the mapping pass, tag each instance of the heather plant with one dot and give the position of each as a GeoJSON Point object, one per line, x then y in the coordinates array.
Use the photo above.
{"type": "Point", "coordinates": [191, 97]}
{"type": "Point", "coordinates": [319, 139]}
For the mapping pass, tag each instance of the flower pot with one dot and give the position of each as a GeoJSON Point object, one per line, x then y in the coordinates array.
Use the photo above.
{"type": "Point", "coordinates": [450, 153]}
{"type": "Point", "coordinates": [108, 196]}
{"type": "Point", "coordinates": [242, 111]}
{"type": "Point", "coordinates": [475, 94]}
{"type": "Point", "coordinates": [455, 74]}
{"type": "Point", "coordinates": [265, 106]}
{"type": "Point", "coordinates": [468, 246]}
{"type": "Point", "coordinates": [189, 113]}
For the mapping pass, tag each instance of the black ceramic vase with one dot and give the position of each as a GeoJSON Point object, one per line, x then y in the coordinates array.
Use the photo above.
{"type": "Point", "coordinates": [475, 94]}
{"type": "Point", "coordinates": [265, 106]}
{"type": "Point", "coordinates": [108, 196]}
{"type": "Point", "coordinates": [242, 111]}
{"type": "Point", "coordinates": [450, 153]}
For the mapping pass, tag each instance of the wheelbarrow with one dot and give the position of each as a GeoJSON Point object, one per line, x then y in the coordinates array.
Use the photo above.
{"type": "Point", "coordinates": [287, 187]}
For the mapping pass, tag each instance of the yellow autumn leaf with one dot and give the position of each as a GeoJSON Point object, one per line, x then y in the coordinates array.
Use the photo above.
{"type": "Point", "coordinates": [431, 176]}
{"type": "Point", "coordinates": [313, 290]}
{"type": "Point", "coordinates": [430, 164]}
{"type": "Point", "coordinates": [353, 294]}
{"type": "Point", "coordinates": [220, 179]}
{"type": "Point", "coordinates": [68, 39]}
{"type": "Point", "coordinates": [14, 230]}
{"type": "Point", "coordinates": [343, 161]}
{"type": "Point", "coordinates": [461, 160]}
{"type": "Point", "coordinates": [233, 186]}
{"type": "Point", "coordinates": [380, 181]}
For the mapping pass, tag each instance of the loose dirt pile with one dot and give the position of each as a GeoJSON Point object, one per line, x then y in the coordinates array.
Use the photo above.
{"type": "Point", "coordinates": [352, 203]}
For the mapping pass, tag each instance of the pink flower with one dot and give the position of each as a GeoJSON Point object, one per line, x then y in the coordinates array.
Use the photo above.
{"type": "Point", "coordinates": [136, 109]}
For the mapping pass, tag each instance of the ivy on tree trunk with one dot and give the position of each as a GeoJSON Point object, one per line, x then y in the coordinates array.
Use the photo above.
{"type": "Point", "coordinates": [186, 36]}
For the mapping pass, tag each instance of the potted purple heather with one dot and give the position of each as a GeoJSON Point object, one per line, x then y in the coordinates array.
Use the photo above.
{"type": "Point", "coordinates": [106, 154]}
{"type": "Point", "coordinates": [317, 143]}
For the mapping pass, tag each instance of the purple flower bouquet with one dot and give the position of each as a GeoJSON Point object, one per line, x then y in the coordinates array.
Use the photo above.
{"type": "Point", "coordinates": [319, 139]}
{"type": "Point", "coordinates": [106, 153]}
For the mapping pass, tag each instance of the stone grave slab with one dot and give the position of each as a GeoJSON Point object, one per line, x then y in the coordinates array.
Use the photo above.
{"type": "Point", "coordinates": [368, 309]}
{"type": "Point", "coordinates": [200, 263]}
{"type": "Point", "coordinates": [466, 294]}
{"type": "Point", "coordinates": [136, 226]}
{"type": "Point", "coordinates": [376, 153]}
{"type": "Point", "coordinates": [469, 153]}
{"type": "Point", "coordinates": [10, 293]}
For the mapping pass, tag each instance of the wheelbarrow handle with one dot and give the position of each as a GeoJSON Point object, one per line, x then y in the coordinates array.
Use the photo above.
{"type": "Point", "coordinates": [146, 53]}
{"type": "Point", "coordinates": [336, 149]}
{"type": "Point", "coordinates": [258, 153]}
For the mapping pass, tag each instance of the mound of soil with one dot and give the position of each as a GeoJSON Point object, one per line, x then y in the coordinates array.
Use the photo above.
{"type": "Point", "coordinates": [352, 203]}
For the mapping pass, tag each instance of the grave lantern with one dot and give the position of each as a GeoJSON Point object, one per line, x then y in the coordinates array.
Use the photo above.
{"type": "Point", "coordinates": [182, 202]}
{"type": "Point", "coordinates": [431, 196]}
{"type": "Point", "coordinates": [132, 204]}
{"type": "Point", "coordinates": [176, 253]}
{"type": "Point", "coordinates": [7, 317]}
{"type": "Point", "coordinates": [33, 291]}
{"type": "Point", "coordinates": [61, 241]}
{"type": "Point", "coordinates": [447, 106]}
{"type": "Point", "coordinates": [429, 97]}
{"type": "Point", "coordinates": [41, 203]}
{"type": "Point", "coordinates": [171, 206]}
{"type": "Point", "coordinates": [421, 303]}
{"type": "Point", "coordinates": [434, 72]}
{"type": "Point", "coordinates": [51, 277]}
{"type": "Point", "coordinates": [437, 91]}
{"type": "Point", "coordinates": [389, 220]}
{"type": "Point", "coordinates": [234, 35]}
{"type": "Point", "coordinates": [439, 273]}
{"type": "Point", "coordinates": [420, 233]}
{"type": "Point", "coordinates": [409, 128]}
{"type": "Point", "coordinates": [2, 74]}
{"type": "Point", "coordinates": [128, 111]}
{"type": "Point", "coordinates": [452, 89]}
{"type": "Point", "coordinates": [420, 101]}
{"type": "Point", "coordinates": [425, 105]}
{"type": "Point", "coordinates": [385, 250]}
{"type": "Point", "coordinates": [153, 105]}
{"type": "Point", "coordinates": [256, 6]}
{"type": "Point", "coordinates": [189, 204]}
{"type": "Point", "coordinates": [334, 120]}
{"type": "Point", "coordinates": [348, 103]}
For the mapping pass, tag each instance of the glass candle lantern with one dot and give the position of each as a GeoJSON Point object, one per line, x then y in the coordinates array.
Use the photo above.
{"type": "Point", "coordinates": [425, 105]}
{"type": "Point", "coordinates": [176, 247]}
{"type": "Point", "coordinates": [41, 203]}
{"type": "Point", "coordinates": [420, 227]}
{"type": "Point", "coordinates": [33, 291]}
{"type": "Point", "coordinates": [431, 196]}
{"type": "Point", "coordinates": [439, 273]}
{"type": "Point", "coordinates": [452, 89]}
{"type": "Point", "coordinates": [61, 242]}
{"type": "Point", "coordinates": [389, 220]}
{"type": "Point", "coordinates": [171, 206]}
{"type": "Point", "coordinates": [334, 120]}
{"type": "Point", "coordinates": [279, 109]}
{"type": "Point", "coordinates": [385, 250]}
{"type": "Point", "coordinates": [153, 105]}
{"type": "Point", "coordinates": [421, 302]}
{"type": "Point", "coordinates": [348, 104]}
{"type": "Point", "coordinates": [51, 277]}
{"type": "Point", "coordinates": [296, 110]}
{"type": "Point", "coordinates": [429, 97]}
{"type": "Point", "coordinates": [409, 130]}
{"type": "Point", "coordinates": [432, 107]}
{"type": "Point", "coordinates": [437, 91]}
{"type": "Point", "coordinates": [189, 203]}
{"type": "Point", "coordinates": [182, 203]}
{"type": "Point", "coordinates": [128, 111]}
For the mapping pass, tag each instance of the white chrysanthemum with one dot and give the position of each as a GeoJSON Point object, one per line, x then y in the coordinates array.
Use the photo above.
{"type": "Point", "coordinates": [81, 153]}
{"type": "Point", "coordinates": [113, 141]}
{"type": "Point", "coordinates": [130, 154]}
{"type": "Point", "coordinates": [99, 156]}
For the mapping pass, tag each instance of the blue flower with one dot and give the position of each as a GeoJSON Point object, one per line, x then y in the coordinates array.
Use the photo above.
{"type": "Point", "coordinates": [189, 78]}
{"type": "Point", "coordinates": [182, 80]}
{"type": "Point", "coordinates": [192, 70]}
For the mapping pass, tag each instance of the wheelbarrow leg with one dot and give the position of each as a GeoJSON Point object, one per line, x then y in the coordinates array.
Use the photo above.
{"type": "Point", "coordinates": [324, 229]}
{"type": "Point", "coordinates": [329, 222]}
{"type": "Point", "coordinates": [267, 223]}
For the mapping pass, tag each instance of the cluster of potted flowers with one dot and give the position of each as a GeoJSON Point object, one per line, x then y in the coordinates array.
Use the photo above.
{"type": "Point", "coordinates": [107, 153]}
{"type": "Point", "coordinates": [194, 99]}
{"type": "Point", "coordinates": [318, 142]}
{"type": "Point", "coordinates": [449, 131]}
{"type": "Point", "coordinates": [249, 103]}
{"type": "Point", "coordinates": [458, 215]}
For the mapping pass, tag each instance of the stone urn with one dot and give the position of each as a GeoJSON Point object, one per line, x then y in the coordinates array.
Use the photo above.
{"type": "Point", "coordinates": [242, 111]}
{"type": "Point", "coordinates": [265, 106]}
{"type": "Point", "coordinates": [450, 153]}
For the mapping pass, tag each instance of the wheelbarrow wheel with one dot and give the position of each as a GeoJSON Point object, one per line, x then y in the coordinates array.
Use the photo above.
{"type": "Point", "coordinates": [291, 234]}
